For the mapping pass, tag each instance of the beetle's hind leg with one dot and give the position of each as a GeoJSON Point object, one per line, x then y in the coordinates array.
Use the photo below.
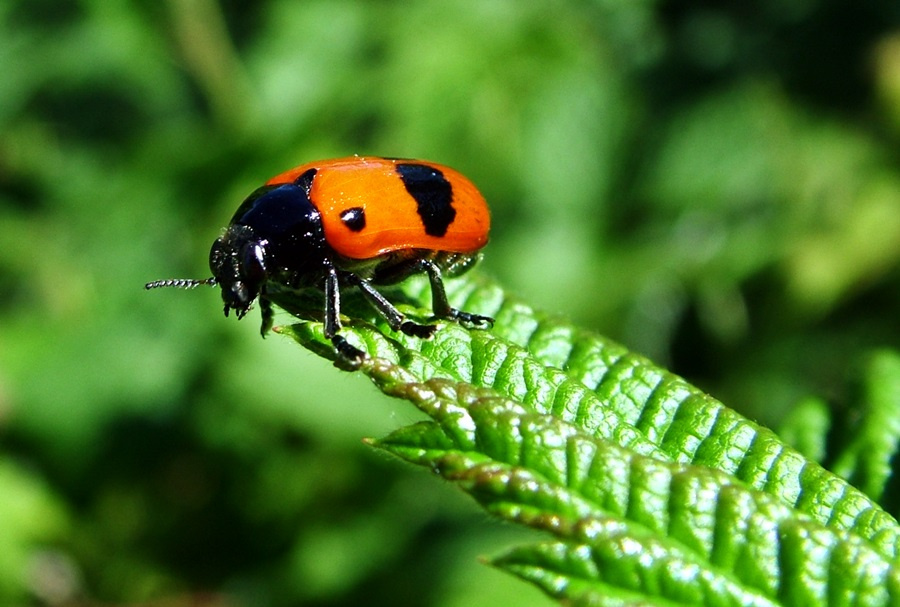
{"type": "Point", "coordinates": [391, 314]}
{"type": "Point", "coordinates": [441, 305]}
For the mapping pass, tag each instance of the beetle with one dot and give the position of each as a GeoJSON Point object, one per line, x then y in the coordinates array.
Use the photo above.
{"type": "Point", "coordinates": [356, 222]}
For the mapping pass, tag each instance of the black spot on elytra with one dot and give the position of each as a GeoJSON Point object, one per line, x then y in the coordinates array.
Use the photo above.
{"type": "Point", "coordinates": [433, 194]}
{"type": "Point", "coordinates": [354, 218]}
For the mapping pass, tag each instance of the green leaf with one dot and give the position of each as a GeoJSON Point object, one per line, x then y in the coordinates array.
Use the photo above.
{"type": "Point", "coordinates": [655, 492]}
{"type": "Point", "coordinates": [615, 567]}
{"type": "Point", "coordinates": [543, 472]}
{"type": "Point", "coordinates": [555, 369]}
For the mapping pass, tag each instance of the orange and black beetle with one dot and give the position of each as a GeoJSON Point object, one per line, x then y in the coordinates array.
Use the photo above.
{"type": "Point", "coordinates": [359, 221]}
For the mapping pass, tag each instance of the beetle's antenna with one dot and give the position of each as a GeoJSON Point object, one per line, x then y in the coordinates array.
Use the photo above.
{"type": "Point", "coordinates": [180, 283]}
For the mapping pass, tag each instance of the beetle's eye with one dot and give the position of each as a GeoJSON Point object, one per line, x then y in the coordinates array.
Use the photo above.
{"type": "Point", "coordinates": [253, 266]}
{"type": "Point", "coordinates": [216, 256]}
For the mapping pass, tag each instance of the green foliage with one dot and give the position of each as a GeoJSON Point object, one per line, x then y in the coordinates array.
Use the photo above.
{"type": "Point", "coordinates": [865, 461]}
{"type": "Point", "coordinates": [29, 515]}
{"type": "Point", "coordinates": [715, 187]}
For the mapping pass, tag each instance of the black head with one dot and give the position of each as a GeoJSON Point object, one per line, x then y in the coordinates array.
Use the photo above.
{"type": "Point", "coordinates": [238, 263]}
{"type": "Point", "coordinates": [275, 236]}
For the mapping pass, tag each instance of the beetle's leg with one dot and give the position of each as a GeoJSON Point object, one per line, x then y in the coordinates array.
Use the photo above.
{"type": "Point", "coordinates": [346, 351]}
{"type": "Point", "coordinates": [441, 305]}
{"type": "Point", "coordinates": [391, 314]}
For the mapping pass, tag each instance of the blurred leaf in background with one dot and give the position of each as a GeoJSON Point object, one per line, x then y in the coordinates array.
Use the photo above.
{"type": "Point", "coordinates": [716, 187]}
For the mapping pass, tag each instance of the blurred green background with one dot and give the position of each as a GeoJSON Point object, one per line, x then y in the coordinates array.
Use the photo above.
{"type": "Point", "coordinates": [715, 185]}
